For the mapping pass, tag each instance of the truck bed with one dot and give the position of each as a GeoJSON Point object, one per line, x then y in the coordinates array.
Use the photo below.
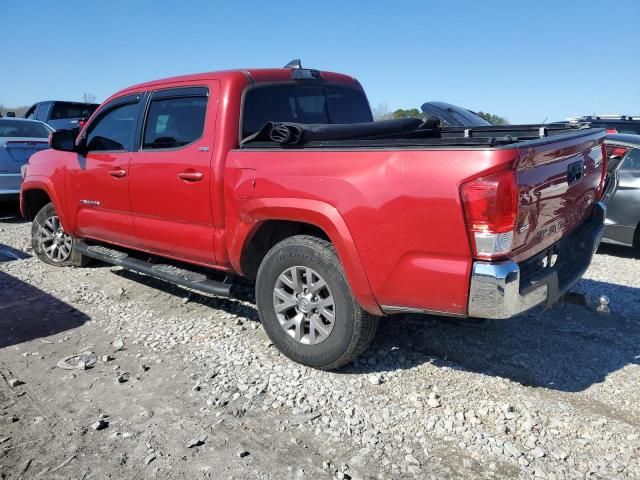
{"type": "Point", "coordinates": [326, 136]}
{"type": "Point", "coordinates": [400, 198]}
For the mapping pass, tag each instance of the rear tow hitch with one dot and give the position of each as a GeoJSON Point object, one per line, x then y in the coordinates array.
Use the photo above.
{"type": "Point", "coordinates": [583, 300]}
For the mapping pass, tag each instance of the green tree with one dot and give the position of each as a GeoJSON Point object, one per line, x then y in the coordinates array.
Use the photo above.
{"type": "Point", "coordinates": [493, 119]}
{"type": "Point", "coordinates": [408, 113]}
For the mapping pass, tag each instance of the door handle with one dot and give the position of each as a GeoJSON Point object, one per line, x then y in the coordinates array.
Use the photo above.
{"type": "Point", "coordinates": [118, 173]}
{"type": "Point", "coordinates": [191, 176]}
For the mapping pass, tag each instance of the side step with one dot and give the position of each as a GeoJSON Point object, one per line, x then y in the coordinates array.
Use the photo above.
{"type": "Point", "coordinates": [168, 273]}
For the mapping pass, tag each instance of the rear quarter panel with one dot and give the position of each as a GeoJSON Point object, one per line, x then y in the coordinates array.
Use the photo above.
{"type": "Point", "coordinates": [401, 208]}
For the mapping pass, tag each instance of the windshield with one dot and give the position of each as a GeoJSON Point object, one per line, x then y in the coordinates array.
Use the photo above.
{"type": "Point", "coordinates": [63, 110]}
{"type": "Point", "coordinates": [303, 104]}
{"type": "Point", "coordinates": [23, 128]}
{"type": "Point", "coordinates": [454, 116]}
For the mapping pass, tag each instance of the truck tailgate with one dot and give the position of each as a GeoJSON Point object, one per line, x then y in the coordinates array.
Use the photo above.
{"type": "Point", "coordinates": [558, 183]}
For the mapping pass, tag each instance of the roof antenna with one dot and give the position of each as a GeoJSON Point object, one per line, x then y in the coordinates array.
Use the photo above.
{"type": "Point", "coordinates": [294, 64]}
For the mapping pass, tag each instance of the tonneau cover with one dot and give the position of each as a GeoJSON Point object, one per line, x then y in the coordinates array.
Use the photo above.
{"type": "Point", "coordinates": [286, 133]}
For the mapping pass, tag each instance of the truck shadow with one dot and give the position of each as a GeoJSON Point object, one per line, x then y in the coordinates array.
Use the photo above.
{"type": "Point", "coordinates": [564, 348]}
{"type": "Point", "coordinates": [242, 304]}
{"type": "Point", "coordinates": [27, 313]}
{"type": "Point", "coordinates": [10, 213]}
{"type": "Point", "coordinates": [619, 250]}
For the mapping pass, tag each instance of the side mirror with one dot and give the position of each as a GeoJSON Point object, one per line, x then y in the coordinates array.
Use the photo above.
{"type": "Point", "coordinates": [11, 114]}
{"type": "Point", "coordinates": [64, 140]}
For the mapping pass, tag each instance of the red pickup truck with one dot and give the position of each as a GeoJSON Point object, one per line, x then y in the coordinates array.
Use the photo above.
{"type": "Point", "coordinates": [281, 176]}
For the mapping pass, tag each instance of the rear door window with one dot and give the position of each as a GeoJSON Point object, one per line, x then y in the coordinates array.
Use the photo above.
{"type": "Point", "coordinates": [175, 119]}
{"type": "Point", "coordinates": [303, 104]}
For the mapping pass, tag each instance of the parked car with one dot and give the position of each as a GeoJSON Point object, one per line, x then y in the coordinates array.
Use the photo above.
{"type": "Point", "coordinates": [19, 139]}
{"type": "Point", "coordinates": [61, 115]}
{"type": "Point", "coordinates": [452, 115]}
{"type": "Point", "coordinates": [612, 123]}
{"type": "Point", "coordinates": [622, 190]}
{"type": "Point", "coordinates": [243, 172]}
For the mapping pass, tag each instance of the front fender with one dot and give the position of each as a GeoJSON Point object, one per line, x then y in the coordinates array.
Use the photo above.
{"type": "Point", "coordinates": [319, 214]}
{"type": "Point", "coordinates": [38, 182]}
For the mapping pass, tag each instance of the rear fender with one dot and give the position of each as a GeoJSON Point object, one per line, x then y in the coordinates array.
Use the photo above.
{"type": "Point", "coordinates": [314, 212]}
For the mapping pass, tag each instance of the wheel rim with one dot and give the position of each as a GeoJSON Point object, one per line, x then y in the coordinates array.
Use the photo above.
{"type": "Point", "coordinates": [54, 241]}
{"type": "Point", "coordinates": [304, 305]}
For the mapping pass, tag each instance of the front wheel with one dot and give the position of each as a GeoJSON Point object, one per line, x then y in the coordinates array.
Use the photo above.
{"type": "Point", "coordinates": [306, 307]}
{"type": "Point", "coordinates": [51, 243]}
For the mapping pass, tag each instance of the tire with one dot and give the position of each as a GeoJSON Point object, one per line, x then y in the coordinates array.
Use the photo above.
{"type": "Point", "coordinates": [326, 337]}
{"type": "Point", "coordinates": [51, 243]}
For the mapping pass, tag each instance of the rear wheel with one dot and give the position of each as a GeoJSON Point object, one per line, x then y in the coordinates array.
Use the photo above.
{"type": "Point", "coordinates": [51, 243]}
{"type": "Point", "coordinates": [306, 307]}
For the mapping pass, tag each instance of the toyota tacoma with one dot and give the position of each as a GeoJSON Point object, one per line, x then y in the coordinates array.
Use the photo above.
{"type": "Point", "coordinates": [281, 176]}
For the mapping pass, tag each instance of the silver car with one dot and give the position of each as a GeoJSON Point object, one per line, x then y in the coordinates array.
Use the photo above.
{"type": "Point", "coordinates": [622, 190]}
{"type": "Point", "coordinates": [19, 139]}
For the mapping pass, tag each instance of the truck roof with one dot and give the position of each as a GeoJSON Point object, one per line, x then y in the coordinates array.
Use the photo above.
{"type": "Point", "coordinates": [74, 102]}
{"type": "Point", "coordinates": [253, 75]}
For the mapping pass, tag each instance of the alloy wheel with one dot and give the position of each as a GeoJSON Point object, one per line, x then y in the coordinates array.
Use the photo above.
{"type": "Point", "coordinates": [54, 241]}
{"type": "Point", "coordinates": [304, 305]}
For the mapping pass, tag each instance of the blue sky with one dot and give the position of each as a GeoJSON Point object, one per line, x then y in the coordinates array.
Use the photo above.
{"type": "Point", "coordinates": [523, 60]}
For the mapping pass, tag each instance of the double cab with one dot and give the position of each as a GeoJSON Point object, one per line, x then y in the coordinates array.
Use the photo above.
{"type": "Point", "coordinates": [282, 177]}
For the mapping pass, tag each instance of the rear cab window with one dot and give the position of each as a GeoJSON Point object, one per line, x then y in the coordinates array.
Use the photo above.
{"type": "Point", "coordinates": [298, 103]}
{"type": "Point", "coordinates": [62, 110]}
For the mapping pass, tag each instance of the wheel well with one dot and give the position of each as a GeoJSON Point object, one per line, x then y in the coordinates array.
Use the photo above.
{"type": "Point", "coordinates": [34, 200]}
{"type": "Point", "coordinates": [267, 235]}
{"type": "Point", "coordinates": [636, 237]}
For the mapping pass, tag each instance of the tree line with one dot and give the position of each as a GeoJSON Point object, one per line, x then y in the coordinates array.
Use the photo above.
{"type": "Point", "coordinates": [382, 112]}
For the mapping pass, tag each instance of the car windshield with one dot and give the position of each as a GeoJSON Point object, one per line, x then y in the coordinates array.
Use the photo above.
{"type": "Point", "coordinates": [23, 128]}
{"type": "Point", "coordinates": [303, 104]}
{"type": "Point", "coordinates": [453, 116]}
{"type": "Point", "coordinates": [63, 110]}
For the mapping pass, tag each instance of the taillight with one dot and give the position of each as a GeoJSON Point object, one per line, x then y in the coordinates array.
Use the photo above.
{"type": "Point", "coordinates": [490, 207]}
{"type": "Point", "coordinates": [615, 151]}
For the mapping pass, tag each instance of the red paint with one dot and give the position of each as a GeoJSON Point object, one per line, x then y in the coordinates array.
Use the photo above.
{"type": "Point", "coordinates": [394, 216]}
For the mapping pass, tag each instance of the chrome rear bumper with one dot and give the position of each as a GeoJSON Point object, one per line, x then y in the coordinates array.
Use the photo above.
{"type": "Point", "coordinates": [497, 289]}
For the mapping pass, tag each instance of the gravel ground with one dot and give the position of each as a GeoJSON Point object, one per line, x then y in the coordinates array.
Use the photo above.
{"type": "Point", "coordinates": [188, 386]}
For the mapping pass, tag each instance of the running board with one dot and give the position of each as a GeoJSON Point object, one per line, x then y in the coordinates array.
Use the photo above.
{"type": "Point", "coordinates": [168, 273]}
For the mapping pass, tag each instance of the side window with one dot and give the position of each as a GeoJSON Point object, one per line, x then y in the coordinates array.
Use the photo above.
{"type": "Point", "coordinates": [632, 160]}
{"type": "Point", "coordinates": [114, 129]}
{"type": "Point", "coordinates": [174, 122]}
{"type": "Point", "coordinates": [41, 111]}
{"type": "Point", "coordinates": [31, 113]}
